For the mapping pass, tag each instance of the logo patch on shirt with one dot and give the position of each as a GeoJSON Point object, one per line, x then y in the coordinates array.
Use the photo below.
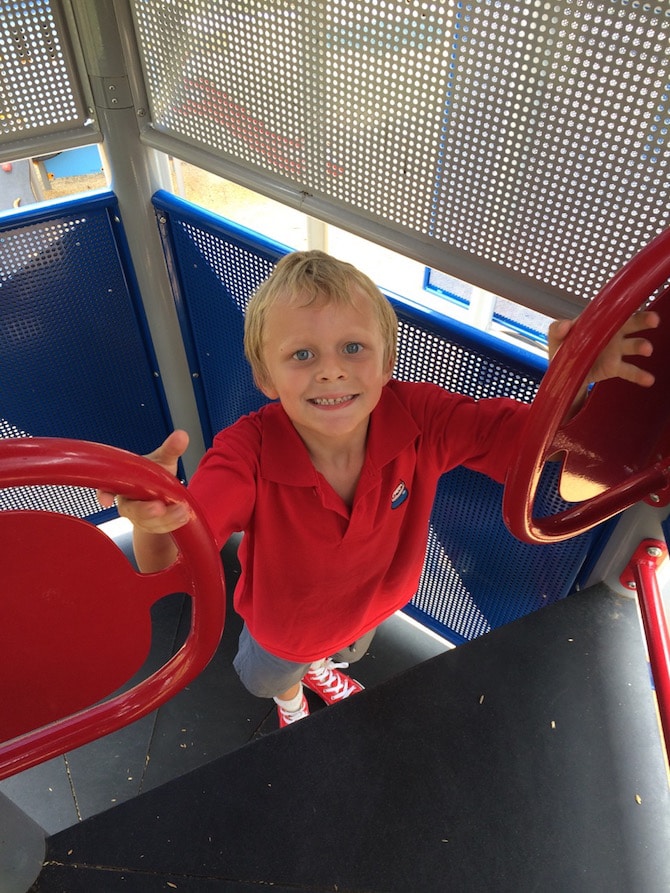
{"type": "Point", "coordinates": [399, 495]}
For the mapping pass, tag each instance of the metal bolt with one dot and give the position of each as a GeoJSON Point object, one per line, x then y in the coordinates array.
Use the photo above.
{"type": "Point", "coordinates": [141, 112]}
{"type": "Point", "coordinates": [654, 497]}
{"type": "Point", "coordinates": [654, 552]}
{"type": "Point", "coordinates": [631, 584]}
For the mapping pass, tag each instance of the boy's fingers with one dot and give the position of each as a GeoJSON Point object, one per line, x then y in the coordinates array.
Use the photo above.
{"type": "Point", "coordinates": [171, 450]}
{"type": "Point", "coordinates": [557, 333]}
{"type": "Point", "coordinates": [632, 373]}
{"type": "Point", "coordinates": [154, 515]}
{"type": "Point", "coordinates": [639, 322]}
{"type": "Point", "coordinates": [167, 455]}
{"type": "Point", "coordinates": [561, 327]}
{"type": "Point", "coordinates": [105, 498]}
{"type": "Point", "coordinates": [628, 342]}
{"type": "Point", "coordinates": [638, 347]}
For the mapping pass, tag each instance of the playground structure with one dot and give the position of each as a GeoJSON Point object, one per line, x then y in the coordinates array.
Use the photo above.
{"type": "Point", "coordinates": [122, 317]}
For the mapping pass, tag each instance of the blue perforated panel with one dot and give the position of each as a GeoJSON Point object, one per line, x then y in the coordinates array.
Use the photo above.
{"type": "Point", "coordinates": [216, 268]}
{"type": "Point", "coordinates": [476, 575]}
{"type": "Point", "coordinates": [75, 360]}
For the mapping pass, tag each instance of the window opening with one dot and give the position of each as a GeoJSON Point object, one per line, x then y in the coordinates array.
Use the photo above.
{"type": "Point", "coordinates": [29, 181]}
{"type": "Point", "coordinates": [393, 272]}
{"type": "Point", "coordinates": [250, 209]}
{"type": "Point", "coordinates": [505, 316]}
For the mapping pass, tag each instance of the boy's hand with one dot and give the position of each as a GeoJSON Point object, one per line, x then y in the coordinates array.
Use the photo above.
{"type": "Point", "coordinates": [155, 516]}
{"type": "Point", "coordinates": [614, 359]}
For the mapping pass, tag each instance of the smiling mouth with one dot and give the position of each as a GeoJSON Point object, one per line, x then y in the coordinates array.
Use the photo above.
{"type": "Point", "coordinates": [332, 401]}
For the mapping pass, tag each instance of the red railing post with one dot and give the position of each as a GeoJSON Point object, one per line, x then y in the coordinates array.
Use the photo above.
{"type": "Point", "coordinates": [641, 574]}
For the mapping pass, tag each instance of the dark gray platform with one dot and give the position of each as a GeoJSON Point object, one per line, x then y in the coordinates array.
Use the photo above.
{"type": "Point", "coordinates": [213, 716]}
{"type": "Point", "coordinates": [529, 759]}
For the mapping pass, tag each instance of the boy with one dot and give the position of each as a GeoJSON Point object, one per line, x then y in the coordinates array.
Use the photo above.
{"type": "Point", "coordinates": [334, 482]}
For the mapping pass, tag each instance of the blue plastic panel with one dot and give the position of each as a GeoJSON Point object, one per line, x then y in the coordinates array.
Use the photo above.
{"type": "Point", "coordinates": [75, 358]}
{"type": "Point", "coordinates": [476, 575]}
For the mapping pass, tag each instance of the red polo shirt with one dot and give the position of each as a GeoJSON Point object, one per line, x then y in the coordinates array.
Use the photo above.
{"type": "Point", "coordinates": [317, 575]}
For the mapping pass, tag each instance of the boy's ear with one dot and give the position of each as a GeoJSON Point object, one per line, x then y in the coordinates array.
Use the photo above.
{"type": "Point", "coordinates": [265, 386]}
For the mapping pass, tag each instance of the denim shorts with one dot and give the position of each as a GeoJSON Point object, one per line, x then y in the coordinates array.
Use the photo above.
{"type": "Point", "coordinates": [267, 676]}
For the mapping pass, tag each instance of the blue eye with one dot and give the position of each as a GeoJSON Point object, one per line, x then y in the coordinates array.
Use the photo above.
{"type": "Point", "coordinates": [353, 347]}
{"type": "Point", "coordinates": [303, 354]}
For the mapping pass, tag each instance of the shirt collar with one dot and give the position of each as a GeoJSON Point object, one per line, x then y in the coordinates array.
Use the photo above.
{"type": "Point", "coordinates": [284, 457]}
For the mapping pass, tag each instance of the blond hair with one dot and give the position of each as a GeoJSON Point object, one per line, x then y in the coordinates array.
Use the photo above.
{"type": "Point", "coordinates": [308, 276]}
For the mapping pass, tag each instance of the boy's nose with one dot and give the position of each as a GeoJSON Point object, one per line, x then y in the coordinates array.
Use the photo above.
{"type": "Point", "coordinates": [330, 369]}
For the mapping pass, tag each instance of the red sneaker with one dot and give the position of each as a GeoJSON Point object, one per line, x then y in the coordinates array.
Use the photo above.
{"type": "Point", "coordinates": [286, 718]}
{"type": "Point", "coordinates": [330, 684]}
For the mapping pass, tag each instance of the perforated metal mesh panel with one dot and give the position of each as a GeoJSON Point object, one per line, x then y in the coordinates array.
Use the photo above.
{"type": "Point", "coordinates": [570, 102]}
{"type": "Point", "coordinates": [74, 357]}
{"type": "Point", "coordinates": [532, 136]}
{"type": "Point", "coordinates": [39, 88]}
{"type": "Point", "coordinates": [476, 575]}
{"type": "Point", "coordinates": [217, 269]}
{"type": "Point", "coordinates": [461, 359]}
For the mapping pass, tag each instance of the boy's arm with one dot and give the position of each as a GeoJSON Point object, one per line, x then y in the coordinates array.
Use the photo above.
{"type": "Point", "coordinates": [615, 360]}
{"type": "Point", "coordinates": [153, 520]}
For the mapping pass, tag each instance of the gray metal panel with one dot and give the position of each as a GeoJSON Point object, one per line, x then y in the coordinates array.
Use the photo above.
{"type": "Point", "coordinates": [522, 146]}
{"type": "Point", "coordinates": [44, 106]}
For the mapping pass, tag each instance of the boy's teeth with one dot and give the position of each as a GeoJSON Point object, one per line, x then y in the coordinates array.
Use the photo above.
{"type": "Point", "coordinates": [330, 401]}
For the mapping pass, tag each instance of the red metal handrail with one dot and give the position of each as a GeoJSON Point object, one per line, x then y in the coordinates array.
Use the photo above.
{"type": "Point", "coordinates": [642, 572]}
{"type": "Point", "coordinates": [197, 571]}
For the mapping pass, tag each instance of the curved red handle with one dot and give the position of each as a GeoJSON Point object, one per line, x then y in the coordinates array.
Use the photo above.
{"type": "Point", "coordinates": [626, 292]}
{"type": "Point", "coordinates": [30, 461]}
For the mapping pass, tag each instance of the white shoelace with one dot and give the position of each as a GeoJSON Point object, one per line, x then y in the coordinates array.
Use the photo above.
{"type": "Point", "coordinates": [290, 717]}
{"type": "Point", "coordinates": [335, 685]}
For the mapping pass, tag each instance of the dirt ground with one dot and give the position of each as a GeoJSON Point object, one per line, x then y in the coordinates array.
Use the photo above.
{"type": "Point", "coordinates": [212, 193]}
{"type": "Point", "coordinates": [64, 186]}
